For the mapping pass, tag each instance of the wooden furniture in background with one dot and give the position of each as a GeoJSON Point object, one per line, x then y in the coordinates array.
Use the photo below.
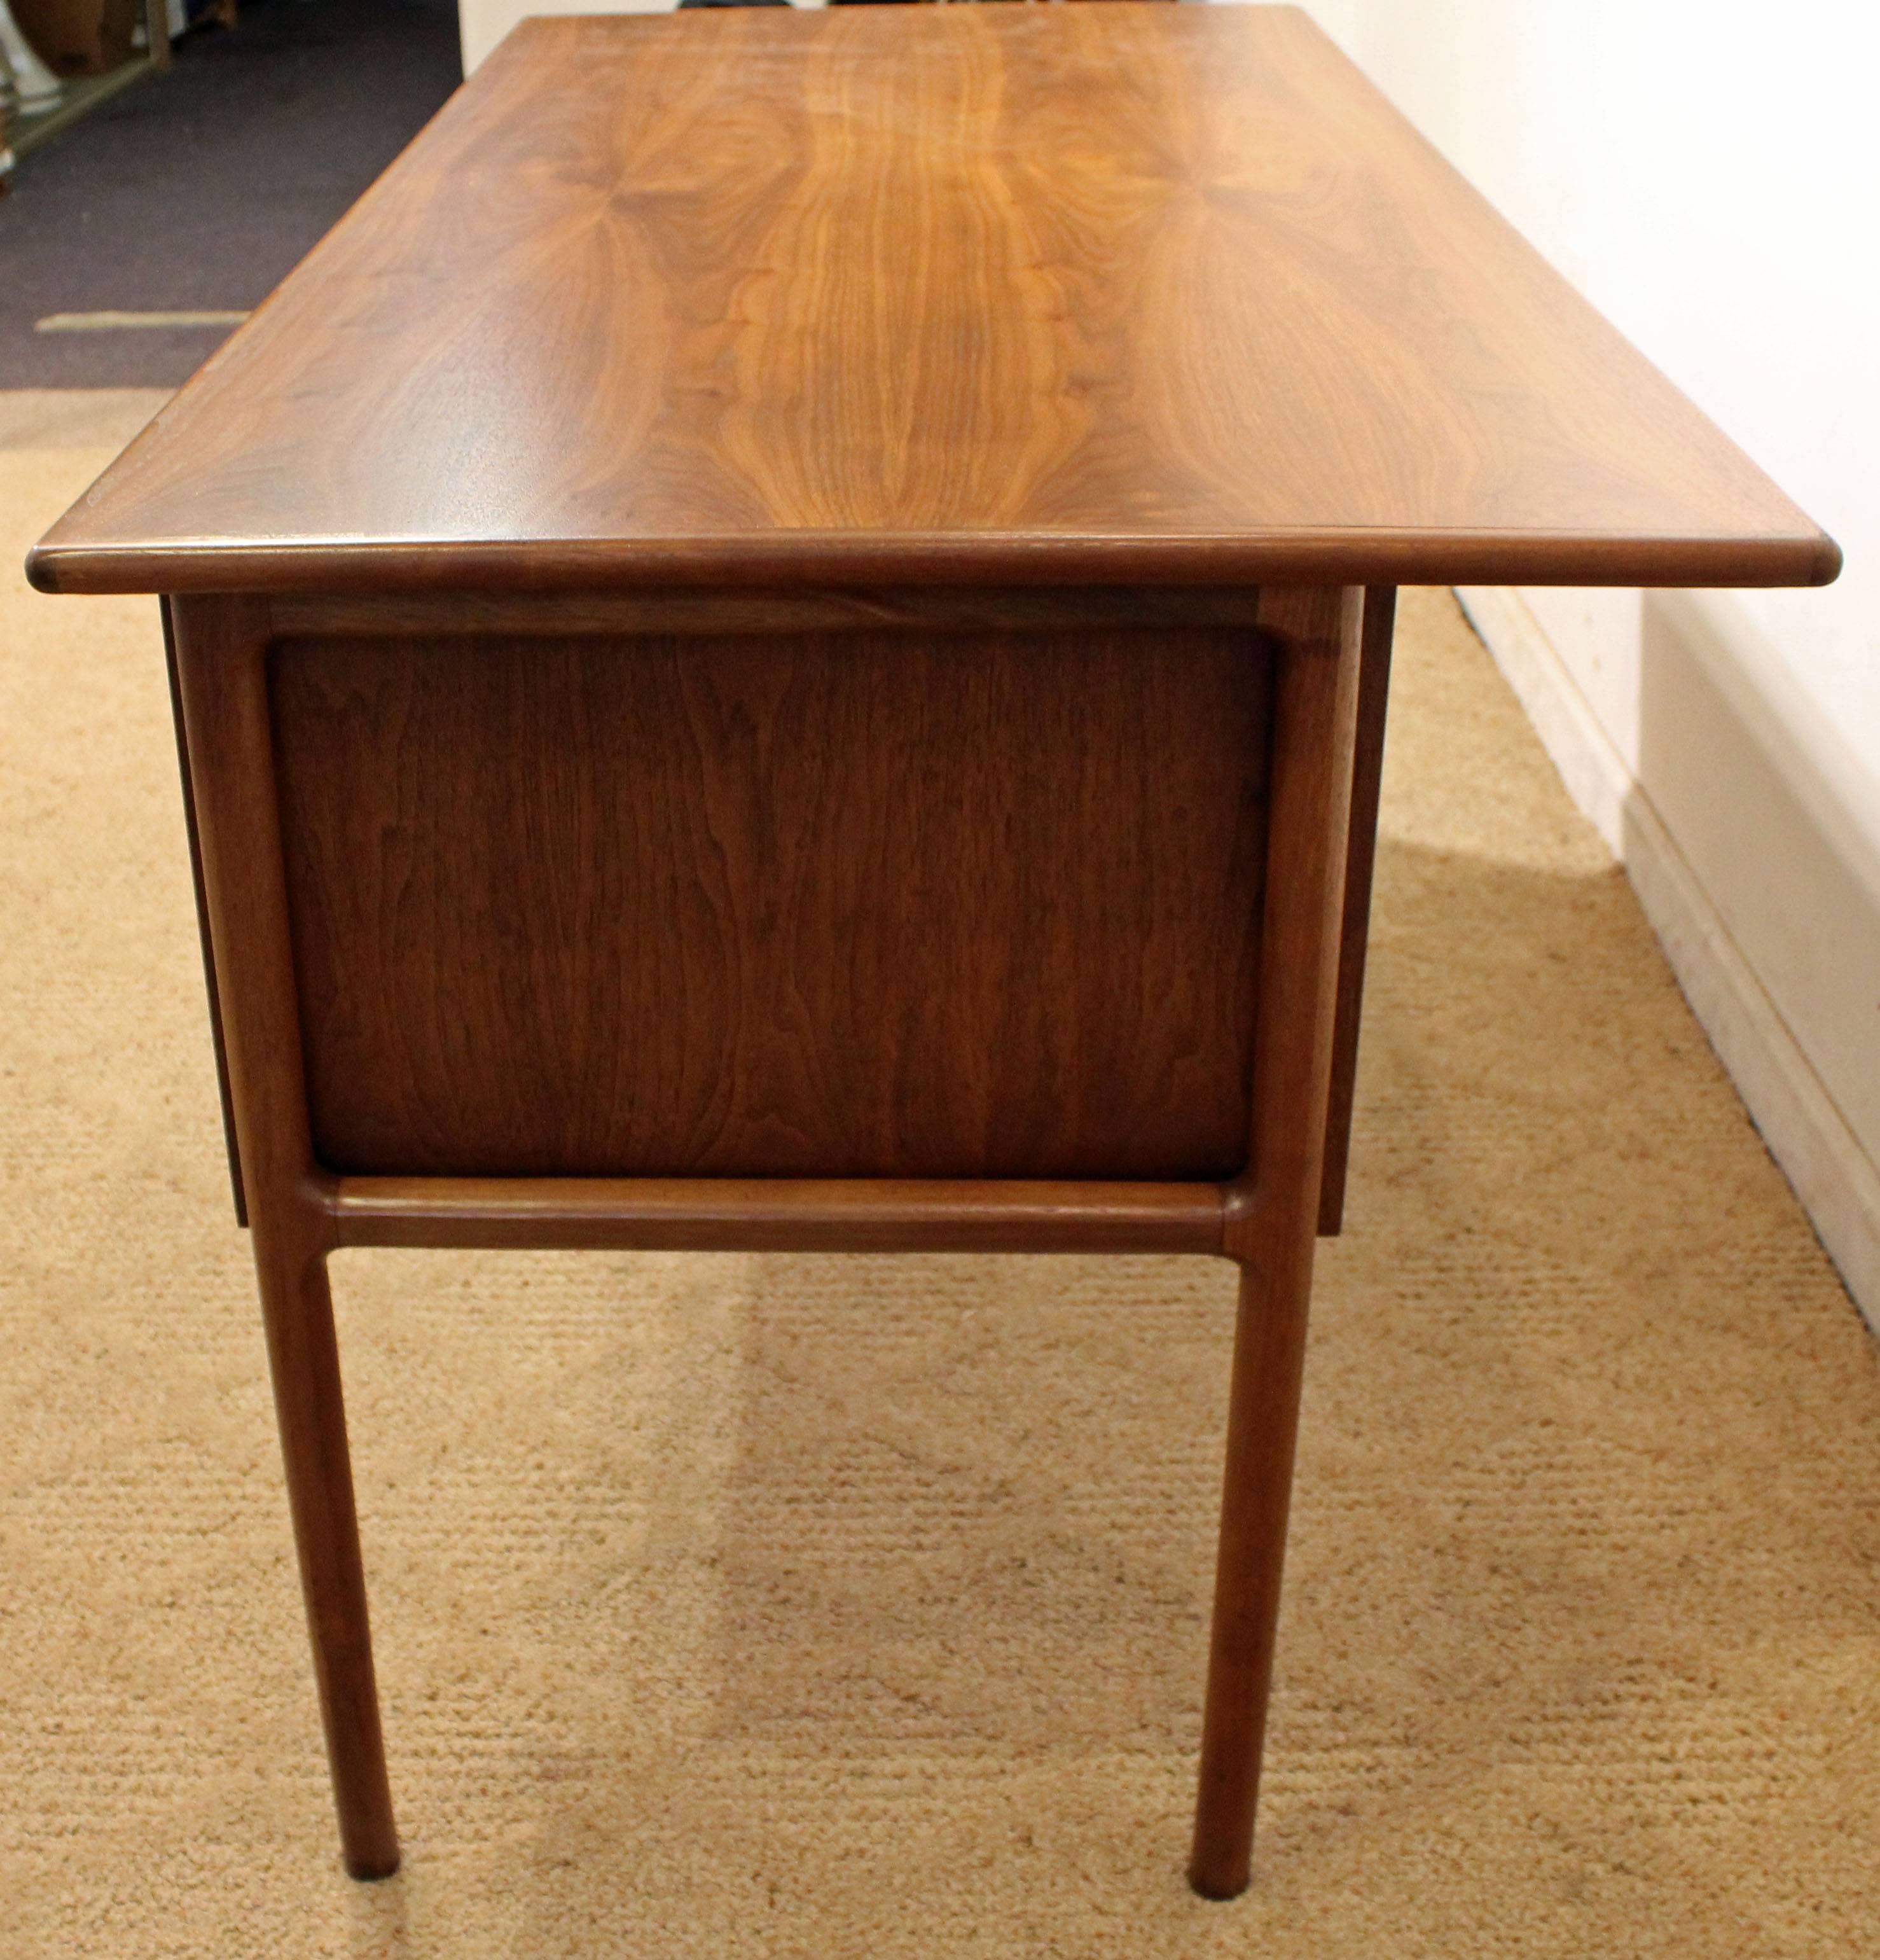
{"type": "Point", "coordinates": [77, 37]}
{"type": "Point", "coordinates": [781, 642]}
{"type": "Point", "coordinates": [40, 114]}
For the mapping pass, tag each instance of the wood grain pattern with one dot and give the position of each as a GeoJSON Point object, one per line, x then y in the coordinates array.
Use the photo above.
{"type": "Point", "coordinates": [870, 296]}
{"type": "Point", "coordinates": [982, 906]}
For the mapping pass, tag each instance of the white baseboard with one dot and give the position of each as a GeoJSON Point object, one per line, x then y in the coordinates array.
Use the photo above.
{"type": "Point", "coordinates": [1833, 1176]}
{"type": "Point", "coordinates": [1595, 773]}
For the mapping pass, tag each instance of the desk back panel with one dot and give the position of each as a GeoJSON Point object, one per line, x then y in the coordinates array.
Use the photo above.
{"type": "Point", "coordinates": [982, 905]}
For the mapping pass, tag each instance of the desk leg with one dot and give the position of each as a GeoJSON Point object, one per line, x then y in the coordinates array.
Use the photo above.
{"type": "Point", "coordinates": [221, 647]}
{"type": "Point", "coordinates": [1272, 1216]}
{"type": "Point", "coordinates": [1374, 677]}
{"type": "Point", "coordinates": [1262, 1428]}
{"type": "Point", "coordinates": [297, 1308]}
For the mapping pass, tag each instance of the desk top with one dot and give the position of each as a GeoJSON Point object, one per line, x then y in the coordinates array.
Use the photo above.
{"type": "Point", "coordinates": [1091, 294]}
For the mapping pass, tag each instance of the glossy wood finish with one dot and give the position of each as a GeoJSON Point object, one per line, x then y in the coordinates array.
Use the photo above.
{"type": "Point", "coordinates": [1272, 1216]}
{"type": "Point", "coordinates": [870, 296]}
{"type": "Point", "coordinates": [220, 647]}
{"type": "Point", "coordinates": [726, 609]}
{"type": "Point", "coordinates": [777, 1215]}
{"type": "Point", "coordinates": [820, 905]}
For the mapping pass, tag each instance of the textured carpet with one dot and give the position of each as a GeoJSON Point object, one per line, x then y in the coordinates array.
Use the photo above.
{"type": "Point", "coordinates": [802, 1606]}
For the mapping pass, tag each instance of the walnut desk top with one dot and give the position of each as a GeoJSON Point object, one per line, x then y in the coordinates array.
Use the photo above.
{"type": "Point", "coordinates": [1065, 295]}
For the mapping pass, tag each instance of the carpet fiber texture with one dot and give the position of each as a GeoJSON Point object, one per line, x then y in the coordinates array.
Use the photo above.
{"type": "Point", "coordinates": [733, 1606]}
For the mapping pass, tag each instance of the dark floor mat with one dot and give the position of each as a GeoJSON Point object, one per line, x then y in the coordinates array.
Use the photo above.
{"type": "Point", "coordinates": [198, 189]}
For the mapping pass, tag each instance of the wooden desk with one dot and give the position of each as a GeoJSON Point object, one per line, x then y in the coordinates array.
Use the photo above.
{"type": "Point", "coordinates": [781, 642]}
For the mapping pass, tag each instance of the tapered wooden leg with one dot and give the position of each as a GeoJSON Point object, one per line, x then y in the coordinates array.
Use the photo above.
{"type": "Point", "coordinates": [220, 646]}
{"type": "Point", "coordinates": [1272, 1215]}
{"type": "Point", "coordinates": [303, 1356]}
{"type": "Point", "coordinates": [1262, 1428]}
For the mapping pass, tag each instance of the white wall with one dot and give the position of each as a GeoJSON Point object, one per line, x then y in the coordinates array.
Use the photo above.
{"type": "Point", "coordinates": [1707, 173]}
{"type": "Point", "coordinates": [481, 23]}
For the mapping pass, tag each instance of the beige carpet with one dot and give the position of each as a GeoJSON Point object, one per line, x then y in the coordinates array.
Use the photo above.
{"type": "Point", "coordinates": [800, 1606]}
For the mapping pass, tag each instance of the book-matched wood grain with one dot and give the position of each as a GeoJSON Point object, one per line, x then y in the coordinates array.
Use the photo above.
{"type": "Point", "coordinates": [870, 296]}
{"type": "Point", "coordinates": [984, 905]}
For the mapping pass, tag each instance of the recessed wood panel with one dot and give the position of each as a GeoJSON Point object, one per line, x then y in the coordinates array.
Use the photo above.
{"type": "Point", "coordinates": [835, 905]}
